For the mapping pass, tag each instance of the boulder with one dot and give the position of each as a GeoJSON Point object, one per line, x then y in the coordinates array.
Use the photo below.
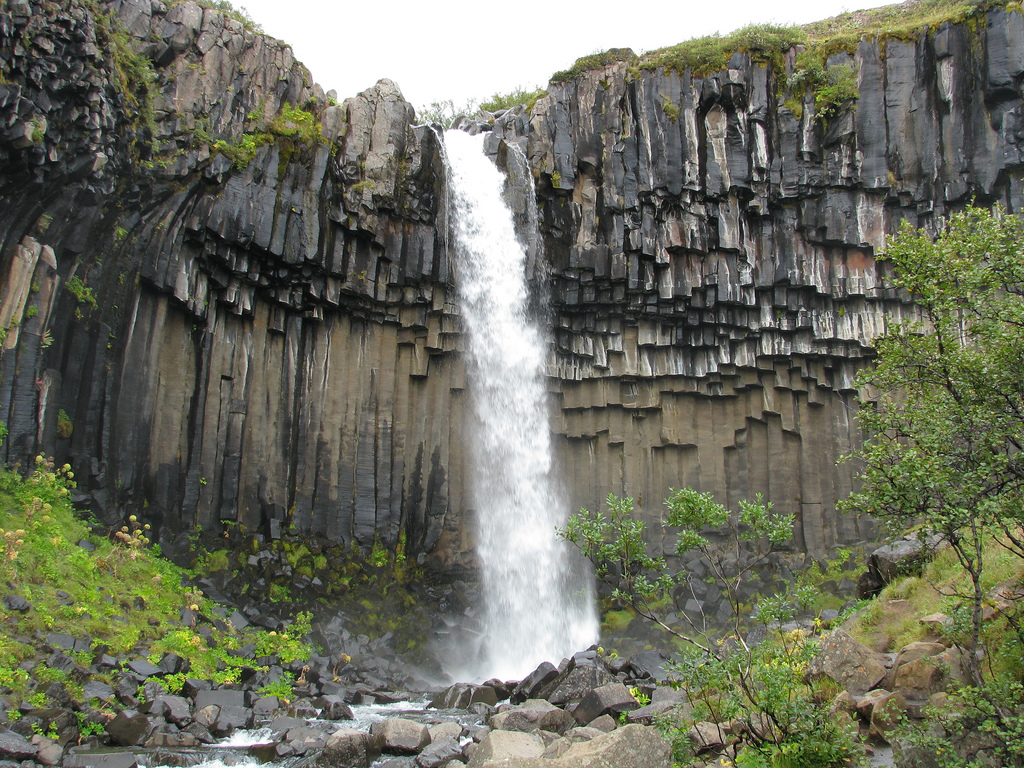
{"type": "Point", "coordinates": [50, 752]}
{"type": "Point", "coordinates": [649, 665]}
{"type": "Point", "coordinates": [439, 753]}
{"type": "Point", "coordinates": [901, 557]}
{"type": "Point", "coordinates": [534, 682]}
{"type": "Point", "coordinates": [220, 697]}
{"type": "Point", "coordinates": [708, 737]}
{"type": "Point", "coordinates": [13, 746]}
{"type": "Point", "coordinates": [399, 736]}
{"type": "Point", "coordinates": [347, 748]}
{"type": "Point", "coordinates": [143, 668]}
{"type": "Point", "coordinates": [445, 731]}
{"type": "Point", "coordinates": [887, 716]}
{"type": "Point", "coordinates": [632, 746]}
{"type": "Point", "coordinates": [847, 662]}
{"type": "Point", "coordinates": [604, 723]}
{"type": "Point", "coordinates": [504, 745]}
{"type": "Point", "coordinates": [95, 759]}
{"type": "Point", "coordinates": [464, 695]}
{"type": "Point", "coordinates": [532, 715]}
{"type": "Point", "coordinates": [919, 679]}
{"type": "Point", "coordinates": [575, 683]}
{"type": "Point", "coordinates": [173, 709]}
{"type": "Point", "coordinates": [230, 719]}
{"type": "Point", "coordinates": [333, 707]}
{"type": "Point", "coordinates": [131, 729]}
{"type": "Point", "coordinates": [612, 699]}
{"type": "Point", "coordinates": [866, 704]}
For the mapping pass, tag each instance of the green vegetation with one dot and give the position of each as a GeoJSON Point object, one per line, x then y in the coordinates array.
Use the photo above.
{"type": "Point", "coordinates": [759, 687]}
{"type": "Point", "coordinates": [518, 96]}
{"type": "Point", "coordinates": [445, 112]}
{"type": "Point", "coordinates": [135, 76]}
{"type": "Point", "coordinates": [595, 61]}
{"type": "Point", "coordinates": [946, 427]}
{"type": "Point", "coordinates": [294, 129]}
{"type": "Point", "coordinates": [703, 55]}
{"type": "Point", "coordinates": [64, 425]}
{"type": "Point", "coordinates": [82, 293]}
{"type": "Point", "coordinates": [122, 594]}
{"type": "Point", "coordinates": [832, 86]}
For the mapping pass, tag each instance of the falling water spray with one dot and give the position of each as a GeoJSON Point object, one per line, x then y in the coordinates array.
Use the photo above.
{"type": "Point", "coordinates": [538, 606]}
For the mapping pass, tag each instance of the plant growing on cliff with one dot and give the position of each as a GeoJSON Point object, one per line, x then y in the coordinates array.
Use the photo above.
{"type": "Point", "coordinates": [513, 98]}
{"type": "Point", "coordinates": [82, 293]}
{"type": "Point", "coordinates": [833, 87]}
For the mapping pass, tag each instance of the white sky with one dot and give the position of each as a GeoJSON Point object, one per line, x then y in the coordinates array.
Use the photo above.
{"type": "Point", "coordinates": [462, 49]}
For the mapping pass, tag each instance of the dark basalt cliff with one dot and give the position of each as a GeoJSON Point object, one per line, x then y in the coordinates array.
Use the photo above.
{"type": "Point", "coordinates": [276, 340]}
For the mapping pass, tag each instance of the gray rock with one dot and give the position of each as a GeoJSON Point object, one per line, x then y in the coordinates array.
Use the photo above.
{"type": "Point", "coordinates": [400, 736]}
{"type": "Point", "coordinates": [532, 715]}
{"type": "Point", "coordinates": [612, 699]}
{"type": "Point", "coordinates": [333, 708]}
{"type": "Point", "coordinates": [97, 759]}
{"type": "Point", "coordinates": [850, 664]}
{"type": "Point", "coordinates": [439, 753]}
{"type": "Point", "coordinates": [498, 746]}
{"type": "Point", "coordinates": [532, 684]}
{"type": "Point", "coordinates": [132, 729]}
{"type": "Point", "coordinates": [632, 746]}
{"type": "Point", "coordinates": [575, 683]}
{"type": "Point", "coordinates": [13, 746]}
{"type": "Point", "coordinates": [348, 747]}
{"type": "Point", "coordinates": [464, 695]}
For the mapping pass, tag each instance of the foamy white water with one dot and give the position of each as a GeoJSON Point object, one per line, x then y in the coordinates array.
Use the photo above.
{"type": "Point", "coordinates": [536, 608]}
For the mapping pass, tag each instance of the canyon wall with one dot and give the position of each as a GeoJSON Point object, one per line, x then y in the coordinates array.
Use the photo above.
{"type": "Point", "coordinates": [220, 313]}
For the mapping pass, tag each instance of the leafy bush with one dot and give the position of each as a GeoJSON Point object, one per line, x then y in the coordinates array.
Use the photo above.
{"type": "Point", "coordinates": [944, 435]}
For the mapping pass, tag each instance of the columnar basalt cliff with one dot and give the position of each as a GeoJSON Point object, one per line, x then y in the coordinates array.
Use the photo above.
{"type": "Point", "coordinates": [228, 299]}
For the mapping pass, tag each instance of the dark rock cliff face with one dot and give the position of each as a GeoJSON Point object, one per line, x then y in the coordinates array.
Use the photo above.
{"type": "Point", "coordinates": [276, 341]}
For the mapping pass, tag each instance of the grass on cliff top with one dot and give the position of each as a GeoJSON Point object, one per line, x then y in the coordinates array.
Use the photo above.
{"type": "Point", "coordinates": [769, 43]}
{"type": "Point", "coordinates": [123, 593]}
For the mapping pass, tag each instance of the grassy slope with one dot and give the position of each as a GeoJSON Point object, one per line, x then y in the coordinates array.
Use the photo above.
{"type": "Point", "coordinates": [893, 619]}
{"type": "Point", "coordinates": [767, 42]}
{"type": "Point", "coordinates": [122, 594]}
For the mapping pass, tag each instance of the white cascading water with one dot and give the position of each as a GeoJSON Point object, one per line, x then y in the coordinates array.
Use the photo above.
{"type": "Point", "coordinates": [537, 606]}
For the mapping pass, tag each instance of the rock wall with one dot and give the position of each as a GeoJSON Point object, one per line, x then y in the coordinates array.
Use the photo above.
{"type": "Point", "coordinates": [713, 274]}
{"type": "Point", "coordinates": [219, 318]}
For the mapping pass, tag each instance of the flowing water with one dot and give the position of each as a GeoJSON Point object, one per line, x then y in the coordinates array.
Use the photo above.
{"type": "Point", "coordinates": [536, 607]}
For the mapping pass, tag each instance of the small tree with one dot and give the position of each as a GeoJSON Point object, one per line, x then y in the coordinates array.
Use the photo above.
{"type": "Point", "coordinates": [946, 424]}
{"type": "Point", "coordinates": [945, 427]}
{"type": "Point", "coordinates": [759, 686]}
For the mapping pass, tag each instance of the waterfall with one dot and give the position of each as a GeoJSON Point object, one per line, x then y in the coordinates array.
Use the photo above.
{"type": "Point", "coordinates": [538, 607]}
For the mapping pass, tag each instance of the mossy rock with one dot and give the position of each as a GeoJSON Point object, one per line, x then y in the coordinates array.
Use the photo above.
{"type": "Point", "coordinates": [617, 621]}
